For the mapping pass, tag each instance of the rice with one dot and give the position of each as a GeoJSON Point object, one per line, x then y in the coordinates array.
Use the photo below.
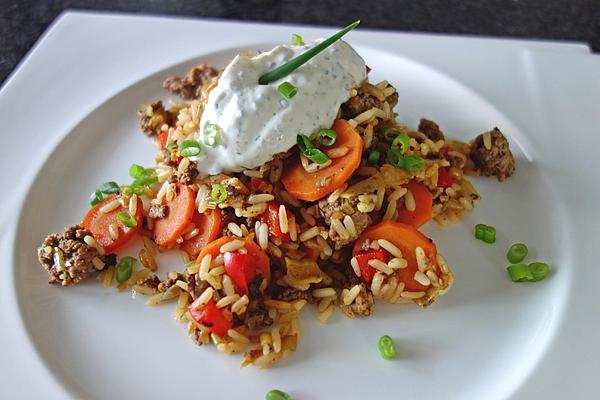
{"type": "Point", "coordinates": [203, 298]}
{"type": "Point", "coordinates": [422, 278]}
{"type": "Point", "coordinates": [333, 197]}
{"type": "Point", "coordinates": [376, 283]}
{"type": "Point", "coordinates": [204, 265]}
{"type": "Point", "coordinates": [309, 234]}
{"type": "Point", "coordinates": [110, 206]}
{"type": "Point", "coordinates": [262, 234]}
{"type": "Point", "coordinates": [355, 266]}
{"type": "Point", "coordinates": [351, 295]}
{"type": "Point", "coordinates": [235, 229]}
{"type": "Point", "coordinates": [235, 335]}
{"type": "Point", "coordinates": [113, 231]}
{"type": "Point", "coordinates": [90, 241]}
{"type": "Point", "coordinates": [309, 219]}
{"type": "Point", "coordinates": [380, 265]}
{"type": "Point", "coordinates": [283, 219]}
{"type": "Point", "coordinates": [260, 198]}
{"type": "Point", "coordinates": [409, 201]}
{"type": "Point", "coordinates": [323, 292]}
{"type": "Point", "coordinates": [412, 295]}
{"type": "Point", "coordinates": [349, 225]}
{"type": "Point", "coordinates": [421, 258]}
{"type": "Point", "coordinates": [340, 229]}
{"type": "Point", "coordinates": [228, 287]}
{"type": "Point", "coordinates": [397, 263]}
{"type": "Point", "coordinates": [239, 307]}
{"type": "Point", "coordinates": [231, 246]}
{"type": "Point", "coordinates": [487, 140]}
{"type": "Point", "coordinates": [324, 316]}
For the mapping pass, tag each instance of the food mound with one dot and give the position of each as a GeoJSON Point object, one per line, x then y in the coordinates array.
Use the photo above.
{"type": "Point", "coordinates": [278, 195]}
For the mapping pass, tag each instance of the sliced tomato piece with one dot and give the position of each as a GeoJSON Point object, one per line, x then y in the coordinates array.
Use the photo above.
{"type": "Point", "coordinates": [98, 223]}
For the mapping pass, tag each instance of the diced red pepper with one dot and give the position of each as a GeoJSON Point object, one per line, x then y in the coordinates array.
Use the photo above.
{"type": "Point", "coordinates": [366, 271]}
{"type": "Point", "coordinates": [256, 183]}
{"type": "Point", "coordinates": [241, 268]}
{"type": "Point", "coordinates": [211, 317]}
{"type": "Point", "coordinates": [271, 218]}
{"type": "Point", "coordinates": [162, 139]}
{"type": "Point", "coordinates": [444, 178]}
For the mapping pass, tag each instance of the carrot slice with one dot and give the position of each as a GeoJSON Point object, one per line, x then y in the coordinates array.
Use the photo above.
{"type": "Point", "coordinates": [407, 238]}
{"type": "Point", "coordinates": [209, 226]}
{"type": "Point", "coordinates": [262, 259]}
{"type": "Point", "coordinates": [98, 223]}
{"type": "Point", "coordinates": [181, 209]}
{"type": "Point", "coordinates": [303, 185]}
{"type": "Point", "coordinates": [423, 203]}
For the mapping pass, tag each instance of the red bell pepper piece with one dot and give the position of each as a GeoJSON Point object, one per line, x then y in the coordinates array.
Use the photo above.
{"type": "Point", "coordinates": [161, 140]}
{"type": "Point", "coordinates": [211, 317]}
{"type": "Point", "coordinates": [241, 268]}
{"type": "Point", "coordinates": [444, 178]}
{"type": "Point", "coordinates": [271, 218]}
{"type": "Point", "coordinates": [366, 271]}
{"type": "Point", "coordinates": [256, 183]}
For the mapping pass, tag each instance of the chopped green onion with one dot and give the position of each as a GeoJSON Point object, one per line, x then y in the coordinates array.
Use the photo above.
{"type": "Point", "coordinates": [297, 40]}
{"type": "Point", "coordinates": [386, 347]}
{"type": "Point", "coordinates": [373, 157]}
{"type": "Point", "coordinates": [127, 190]}
{"type": "Point", "coordinates": [539, 270]}
{"type": "Point", "coordinates": [127, 219]}
{"type": "Point", "coordinates": [390, 133]}
{"type": "Point", "coordinates": [218, 193]}
{"type": "Point", "coordinates": [296, 62]}
{"type": "Point", "coordinates": [485, 233]}
{"type": "Point", "coordinates": [519, 273]}
{"type": "Point", "coordinates": [138, 190]}
{"type": "Point", "coordinates": [277, 395]}
{"type": "Point", "coordinates": [189, 148]}
{"type": "Point", "coordinates": [287, 90]}
{"type": "Point", "coordinates": [395, 158]}
{"type": "Point", "coordinates": [109, 188]}
{"type": "Point", "coordinates": [316, 155]}
{"type": "Point", "coordinates": [212, 132]}
{"type": "Point", "coordinates": [303, 142]}
{"type": "Point", "coordinates": [124, 269]}
{"type": "Point", "coordinates": [413, 163]}
{"type": "Point", "coordinates": [96, 197]}
{"type": "Point", "coordinates": [401, 142]}
{"type": "Point", "coordinates": [137, 171]}
{"type": "Point", "coordinates": [517, 253]}
{"type": "Point", "coordinates": [170, 146]}
{"type": "Point", "coordinates": [326, 137]}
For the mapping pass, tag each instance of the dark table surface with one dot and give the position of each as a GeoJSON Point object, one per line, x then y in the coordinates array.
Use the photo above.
{"type": "Point", "coordinates": [22, 22]}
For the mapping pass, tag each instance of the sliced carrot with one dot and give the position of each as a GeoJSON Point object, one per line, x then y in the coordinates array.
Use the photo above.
{"type": "Point", "coordinates": [209, 226]}
{"type": "Point", "coordinates": [307, 185]}
{"type": "Point", "coordinates": [262, 259]}
{"type": "Point", "coordinates": [423, 202]}
{"type": "Point", "coordinates": [181, 209]}
{"type": "Point", "coordinates": [98, 223]}
{"type": "Point", "coordinates": [407, 238]}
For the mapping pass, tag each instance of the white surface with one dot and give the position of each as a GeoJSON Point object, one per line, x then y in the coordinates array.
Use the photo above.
{"type": "Point", "coordinates": [483, 340]}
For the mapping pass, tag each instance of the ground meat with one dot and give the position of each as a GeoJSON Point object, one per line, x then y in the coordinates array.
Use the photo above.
{"type": "Point", "coordinates": [498, 161]}
{"type": "Point", "coordinates": [76, 255]}
{"type": "Point", "coordinates": [150, 283]}
{"type": "Point", "coordinates": [338, 210]}
{"type": "Point", "coordinates": [188, 175]}
{"type": "Point", "coordinates": [363, 304]}
{"type": "Point", "coordinates": [157, 211]}
{"type": "Point", "coordinates": [290, 294]}
{"type": "Point", "coordinates": [191, 86]}
{"type": "Point", "coordinates": [431, 130]}
{"type": "Point", "coordinates": [365, 101]}
{"type": "Point", "coordinates": [152, 117]}
{"type": "Point", "coordinates": [253, 288]}
{"type": "Point", "coordinates": [167, 283]}
{"type": "Point", "coordinates": [257, 316]}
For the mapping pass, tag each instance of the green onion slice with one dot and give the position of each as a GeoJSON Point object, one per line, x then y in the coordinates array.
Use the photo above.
{"type": "Point", "coordinates": [287, 90]}
{"type": "Point", "coordinates": [109, 188]}
{"type": "Point", "coordinates": [303, 142]}
{"type": "Point", "coordinates": [297, 40]}
{"type": "Point", "coordinates": [189, 148]}
{"type": "Point", "coordinates": [390, 133]}
{"type": "Point", "coordinates": [296, 62]}
{"type": "Point", "coordinates": [124, 269]}
{"type": "Point", "coordinates": [485, 233]}
{"type": "Point", "coordinates": [218, 194]}
{"type": "Point", "coordinates": [212, 132]}
{"type": "Point", "coordinates": [386, 347]}
{"type": "Point", "coordinates": [316, 155]}
{"type": "Point", "coordinates": [326, 137]}
{"type": "Point", "coordinates": [137, 171]}
{"type": "Point", "coordinates": [539, 270]}
{"type": "Point", "coordinates": [277, 395]}
{"type": "Point", "coordinates": [413, 163]}
{"type": "Point", "coordinates": [519, 273]}
{"type": "Point", "coordinates": [401, 142]}
{"type": "Point", "coordinates": [127, 219]}
{"type": "Point", "coordinates": [373, 157]}
{"type": "Point", "coordinates": [395, 158]}
{"type": "Point", "coordinates": [517, 253]}
{"type": "Point", "coordinates": [96, 197]}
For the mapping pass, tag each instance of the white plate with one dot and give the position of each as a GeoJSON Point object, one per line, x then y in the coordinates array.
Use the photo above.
{"type": "Point", "coordinates": [483, 340]}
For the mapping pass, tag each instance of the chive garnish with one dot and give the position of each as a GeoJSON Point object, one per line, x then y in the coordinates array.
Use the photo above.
{"type": "Point", "coordinates": [296, 62]}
